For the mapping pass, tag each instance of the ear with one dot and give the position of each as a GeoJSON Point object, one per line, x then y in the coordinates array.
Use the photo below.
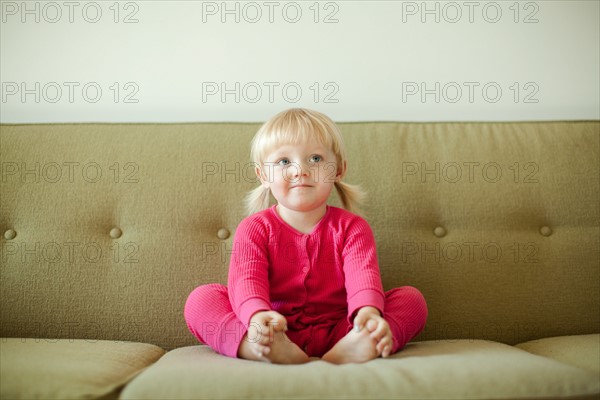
{"type": "Point", "coordinates": [264, 181]}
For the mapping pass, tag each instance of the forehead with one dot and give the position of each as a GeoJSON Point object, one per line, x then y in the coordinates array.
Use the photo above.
{"type": "Point", "coordinates": [309, 147]}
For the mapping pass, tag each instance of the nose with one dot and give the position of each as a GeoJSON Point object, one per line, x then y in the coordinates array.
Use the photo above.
{"type": "Point", "coordinates": [300, 169]}
{"type": "Point", "coordinates": [304, 170]}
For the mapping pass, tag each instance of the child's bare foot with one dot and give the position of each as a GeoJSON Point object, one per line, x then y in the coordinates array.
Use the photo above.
{"type": "Point", "coordinates": [280, 351]}
{"type": "Point", "coordinates": [355, 347]}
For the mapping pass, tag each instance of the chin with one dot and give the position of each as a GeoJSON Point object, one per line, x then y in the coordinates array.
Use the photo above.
{"type": "Point", "coordinates": [307, 208]}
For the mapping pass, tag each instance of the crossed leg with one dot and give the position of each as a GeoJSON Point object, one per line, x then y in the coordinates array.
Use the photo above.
{"type": "Point", "coordinates": [210, 318]}
{"type": "Point", "coordinates": [406, 314]}
{"type": "Point", "coordinates": [279, 350]}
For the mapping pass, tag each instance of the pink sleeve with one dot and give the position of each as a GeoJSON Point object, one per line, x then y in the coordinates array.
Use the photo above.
{"type": "Point", "coordinates": [248, 280]}
{"type": "Point", "coordinates": [361, 269]}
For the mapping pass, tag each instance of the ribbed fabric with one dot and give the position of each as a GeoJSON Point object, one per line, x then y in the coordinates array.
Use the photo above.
{"type": "Point", "coordinates": [310, 278]}
{"type": "Point", "coordinates": [211, 320]}
{"type": "Point", "coordinates": [316, 280]}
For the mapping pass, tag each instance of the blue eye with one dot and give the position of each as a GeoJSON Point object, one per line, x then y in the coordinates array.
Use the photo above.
{"type": "Point", "coordinates": [283, 161]}
{"type": "Point", "coordinates": [316, 158]}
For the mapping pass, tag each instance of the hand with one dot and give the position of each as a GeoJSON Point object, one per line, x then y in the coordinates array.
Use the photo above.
{"type": "Point", "coordinates": [263, 325]}
{"type": "Point", "coordinates": [371, 318]}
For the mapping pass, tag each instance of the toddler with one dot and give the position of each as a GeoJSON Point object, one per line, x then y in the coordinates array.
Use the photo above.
{"type": "Point", "coordinates": [303, 278]}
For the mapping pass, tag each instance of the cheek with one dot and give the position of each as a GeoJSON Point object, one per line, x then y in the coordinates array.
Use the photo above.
{"type": "Point", "coordinates": [279, 177]}
{"type": "Point", "coordinates": [327, 173]}
{"type": "Point", "coordinates": [276, 174]}
{"type": "Point", "coordinates": [289, 174]}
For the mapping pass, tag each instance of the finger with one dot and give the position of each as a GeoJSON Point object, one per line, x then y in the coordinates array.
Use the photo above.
{"type": "Point", "coordinates": [379, 333]}
{"type": "Point", "coordinates": [389, 336]}
{"type": "Point", "coordinates": [257, 333]}
{"type": "Point", "coordinates": [264, 336]}
{"type": "Point", "coordinates": [386, 351]}
{"type": "Point", "coordinates": [278, 322]}
{"type": "Point", "coordinates": [383, 344]}
{"type": "Point", "coordinates": [383, 329]}
{"type": "Point", "coordinates": [261, 317]}
{"type": "Point", "coordinates": [371, 325]}
{"type": "Point", "coordinates": [263, 340]}
{"type": "Point", "coordinates": [261, 350]}
{"type": "Point", "coordinates": [269, 327]}
{"type": "Point", "coordinates": [386, 341]}
{"type": "Point", "coordinates": [380, 346]}
{"type": "Point", "coordinates": [359, 322]}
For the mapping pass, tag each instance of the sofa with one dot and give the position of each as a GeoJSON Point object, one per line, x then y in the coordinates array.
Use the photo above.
{"type": "Point", "coordinates": [107, 228]}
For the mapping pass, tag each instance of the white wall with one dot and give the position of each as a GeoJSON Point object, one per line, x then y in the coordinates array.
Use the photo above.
{"type": "Point", "coordinates": [367, 62]}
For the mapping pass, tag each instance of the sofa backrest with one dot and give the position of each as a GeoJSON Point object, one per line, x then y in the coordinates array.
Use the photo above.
{"type": "Point", "coordinates": [106, 228]}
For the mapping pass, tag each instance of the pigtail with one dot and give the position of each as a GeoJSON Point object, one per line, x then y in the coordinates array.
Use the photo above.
{"type": "Point", "coordinates": [351, 196]}
{"type": "Point", "coordinates": [257, 199]}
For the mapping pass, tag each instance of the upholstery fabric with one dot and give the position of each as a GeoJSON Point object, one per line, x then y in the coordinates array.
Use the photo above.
{"type": "Point", "coordinates": [470, 369]}
{"type": "Point", "coordinates": [69, 369]}
{"type": "Point", "coordinates": [106, 228]}
{"type": "Point", "coordinates": [581, 351]}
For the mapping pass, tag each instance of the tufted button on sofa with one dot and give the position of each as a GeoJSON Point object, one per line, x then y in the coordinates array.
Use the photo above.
{"type": "Point", "coordinates": [107, 228]}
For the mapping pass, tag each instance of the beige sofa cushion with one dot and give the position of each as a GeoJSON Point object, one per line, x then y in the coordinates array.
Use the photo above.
{"type": "Point", "coordinates": [428, 369]}
{"type": "Point", "coordinates": [69, 369]}
{"type": "Point", "coordinates": [582, 351]}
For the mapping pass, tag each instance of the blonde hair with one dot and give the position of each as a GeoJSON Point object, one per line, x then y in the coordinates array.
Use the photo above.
{"type": "Point", "coordinates": [292, 127]}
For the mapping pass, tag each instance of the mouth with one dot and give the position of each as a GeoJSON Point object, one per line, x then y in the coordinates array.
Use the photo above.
{"type": "Point", "coordinates": [301, 186]}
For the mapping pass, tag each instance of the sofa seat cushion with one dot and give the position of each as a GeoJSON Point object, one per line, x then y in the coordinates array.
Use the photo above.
{"type": "Point", "coordinates": [429, 369]}
{"type": "Point", "coordinates": [68, 369]}
{"type": "Point", "coordinates": [582, 351]}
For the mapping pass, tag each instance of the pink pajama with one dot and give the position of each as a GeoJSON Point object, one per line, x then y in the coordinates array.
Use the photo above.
{"type": "Point", "coordinates": [317, 280]}
{"type": "Point", "coordinates": [210, 318]}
